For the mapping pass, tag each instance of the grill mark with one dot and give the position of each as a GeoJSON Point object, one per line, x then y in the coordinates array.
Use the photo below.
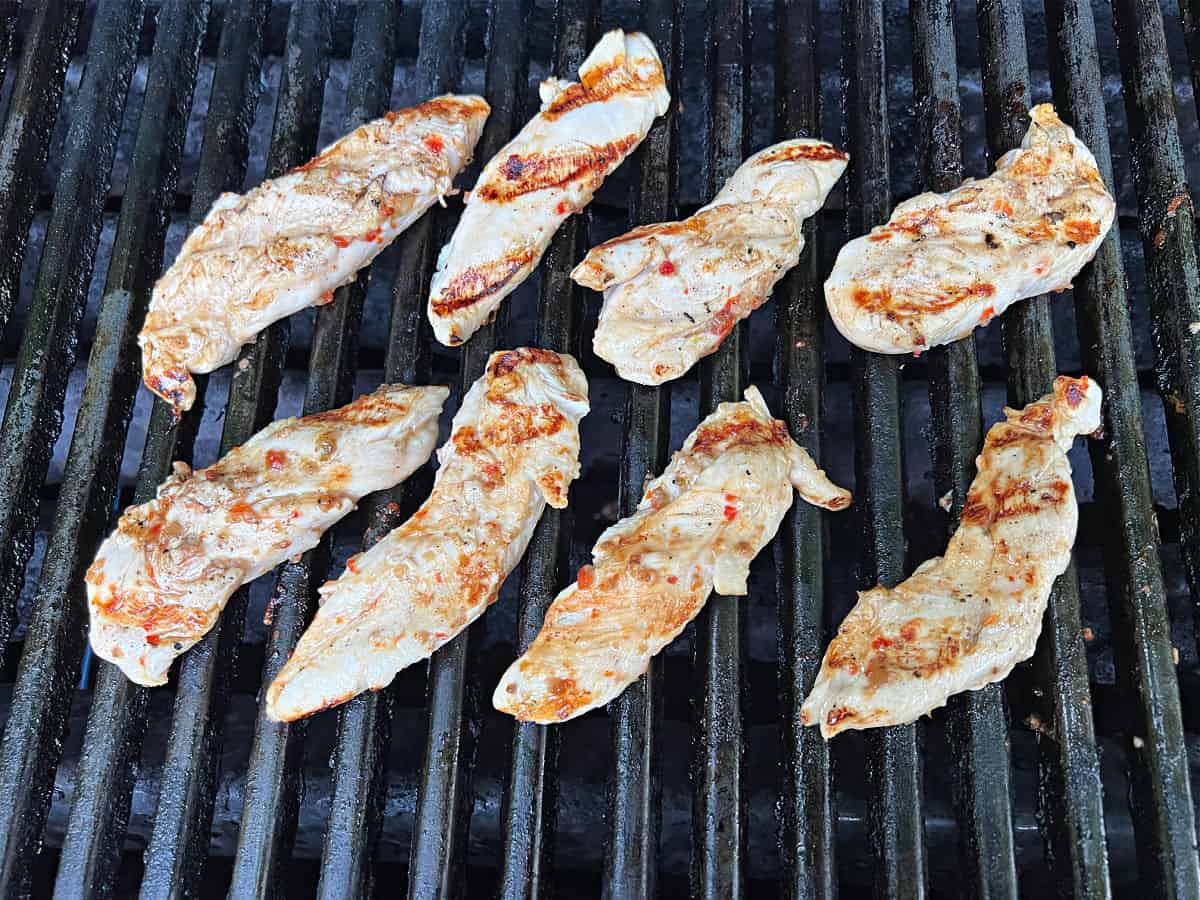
{"type": "Point", "coordinates": [509, 360]}
{"type": "Point", "coordinates": [473, 284]}
{"type": "Point", "coordinates": [813, 152]}
{"type": "Point", "coordinates": [520, 175]}
{"type": "Point", "coordinates": [936, 300]}
{"type": "Point", "coordinates": [743, 430]}
{"type": "Point", "coordinates": [603, 83]}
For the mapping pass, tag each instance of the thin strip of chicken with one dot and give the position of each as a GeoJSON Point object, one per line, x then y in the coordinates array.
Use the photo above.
{"type": "Point", "coordinates": [945, 264]}
{"type": "Point", "coordinates": [288, 243]}
{"type": "Point", "coordinates": [543, 175]}
{"type": "Point", "coordinates": [699, 525]}
{"type": "Point", "coordinates": [963, 620]}
{"type": "Point", "coordinates": [513, 449]}
{"type": "Point", "coordinates": [160, 581]}
{"type": "Point", "coordinates": [673, 291]}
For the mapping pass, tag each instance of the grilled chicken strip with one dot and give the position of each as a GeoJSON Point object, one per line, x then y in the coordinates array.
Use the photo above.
{"type": "Point", "coordinates": [963, 620]}
{"type": "Point", "coordinates": [161, 579]}
{"type": "Point", "coordinates": [946, 263]}
{"type": "Point", "coordinates": [697, 528]}
{"type": "Point", "coordinates": [289, 242]}
{"type": "Point", "coordinates": [672, 292]}
{"type": "Point", "coordinates": [513, 449]}
{"type": "Point", "coordinates": [543, 175]}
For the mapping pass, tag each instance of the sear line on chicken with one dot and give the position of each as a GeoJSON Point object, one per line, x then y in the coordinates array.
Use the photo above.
{"type": "Point", "coordinates": [963, 620]}
{"type": "Point", "coordinates": [513, 449]}
{"type": "Point", "coordinates": [291, 241]}
{"type": "Point", "coordinates": [945, 264]}
{"type": "Point", "coordinates": [673, 291]}
{"type": "Point", "coordinates": [697, 528]}
{"type": "Point", "coordinates": [160, 580]}
{"type": "Point", "coordinates": [543, 175]}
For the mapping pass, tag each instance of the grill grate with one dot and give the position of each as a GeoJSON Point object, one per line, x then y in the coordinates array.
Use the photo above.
{"type": "Point", "coordinates": [471, 793]}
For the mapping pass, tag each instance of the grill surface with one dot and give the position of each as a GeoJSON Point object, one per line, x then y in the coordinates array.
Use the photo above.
{"type": "Point", "coordinates": [123, 122]}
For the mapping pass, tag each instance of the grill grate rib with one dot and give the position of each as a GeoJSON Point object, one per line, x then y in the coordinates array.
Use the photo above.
{"type": "Point", "coordinates": [807, 819]}
{"type": "Point", "coordinates": [634, 801]}
{"type": "Point", "coordinates": [518, 796]}
{"type": "Point", "coordinates": [978, 720]}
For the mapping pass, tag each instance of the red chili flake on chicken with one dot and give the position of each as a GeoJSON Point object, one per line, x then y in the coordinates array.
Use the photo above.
{"type": "Point", "coordinates": [672, 579]}
{"type": "Point", "coordinates": [276, 459]}
{"type": "Point", "coordinates": [153, 640]}
{"type": "Point", "coordinates": [435, 144]}
{"type": "Point", "coordinates": [880, 643]}
{"type": "Point", "coordinates": [372, 235]}
{"type": "Point", "coordinates": [730, 512]}
{"type": "Point", "coordinates": [562, 208]}
{"type": "Point", "coordinates": [586, 577]}
{"type": "Point", "coordinates": [987, 313]}
{"type": "Point", "coordinates": [667, 268]}
{"type": "Point", "coordinates": [341, 241]}
{"type": "Point", "coordinates": [724, 320]}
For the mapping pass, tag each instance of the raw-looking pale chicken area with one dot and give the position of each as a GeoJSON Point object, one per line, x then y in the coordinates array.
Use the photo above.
{"type": "Point", "coordinates": [160, 581]}
{"type": "Point", "coordinates": [291, 241]}
{"type": "Point", "coordinates": [546, 173]}
{"type": "Point", "coordinates": [944, 264]}
{"type": "Point", "coordinates": [963, 620]}
{"type": "Point", "coordinates": [514, 448]}
{"type": "Point", "coordinates": [673, 291]}
{"type": "Point", "coordinates": [697, 528]}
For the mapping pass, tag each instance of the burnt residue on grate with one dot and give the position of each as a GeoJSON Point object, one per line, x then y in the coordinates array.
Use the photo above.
{"type": "Point", "coordinates": [1074, 770]}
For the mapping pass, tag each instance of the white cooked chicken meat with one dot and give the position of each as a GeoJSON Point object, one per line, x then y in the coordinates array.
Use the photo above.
{"type": "Point", "coordinates": [697, 528]}
{"type": "Point", "coordinates": [673, 291]}
{"type": "Point", "coordinates": [545, 174]}
{"type": "Point", "coordinates": [291, 241]}
{"type": "Point", "coordinates": [513, 449]}
{"type": "Point", "coordinates": [946, 263]}
{"type": "Point", "coordinates": [963, 620]}
{"type": "Point", "coordinates": [160, 581]}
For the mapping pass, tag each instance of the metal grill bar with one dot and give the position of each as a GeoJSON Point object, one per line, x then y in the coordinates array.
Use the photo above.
{"type": "Point", "coordinates": [894, 757]}
{"type": "Point", "coordinates": [273, 775]}
{"type": "Point", "coordinates": [1075, 841]}
{"type": "Point", "coordinates": [33, 416]}
{"type": "Point", "coordinates": [1161, 798]}
{"type": "Point", "coordinates": [1071, 803]}
{"type": "Point", "coordinates": [807, 823]}
{"type": "Point", "coordinates": [634, 791]}
{"type": "Point", "coordinates": [718, 804]}
{"type": "Point", "coordinates": [527, 815]}
{"type": "Point", "coordinates": [531, 793]}
{"type": "Point", "coordinates": [117, 718]}
{"type": "Point", "coordinates": [33, 738]}
{"type": "Point", "coordinates": [36, 98]}
{"type": "Point", "coordinates": [442, 815]}
{"type": "Point", "coordinates": [364, 723]}
{"type": "Point", "coordinates": [1190, 14]}
{"type": "Point", "coordinates": [178, 844]}
{"type": "Point", "coordinates": [977, 720]}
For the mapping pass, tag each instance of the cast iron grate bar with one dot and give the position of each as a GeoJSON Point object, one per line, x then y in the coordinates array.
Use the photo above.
{"type": "Point", "coordinates": [1059, 662]}
{"type": "Point", "coordinates": [977, 720]}
{"type": "Point", "coordinates": [33, 415]}
{"type": "Point", "coordinates": [894, 758]}
{"type": "Point", "coordinates": [807, 822]}
{"type": "Point", "coordinates": [718, 802]}
{"type": "Point", "coordinates": [46, 681]}
{"type": "Point", "coordinates": [364, 723]}
{"type": "Point", "coordinates": [634, 792]}
{"type": "Point", "coordinates": [1161, 797]}
{"type": "Point", "coordinates": [527, 805]}
{"type": "Point", "coordinates": [25, 142]}
{"type": "Point", "coordinates": [175, 857]}
{"type": "Point", "coordinates": [117, 717]}
{"type": "Point", "coordinates": [530, 799]}
{"type": "Point", "coordinates": [272, 797]}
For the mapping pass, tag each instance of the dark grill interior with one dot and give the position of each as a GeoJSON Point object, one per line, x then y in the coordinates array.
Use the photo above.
{"type": "Point", "coordinates": [123, 122]}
